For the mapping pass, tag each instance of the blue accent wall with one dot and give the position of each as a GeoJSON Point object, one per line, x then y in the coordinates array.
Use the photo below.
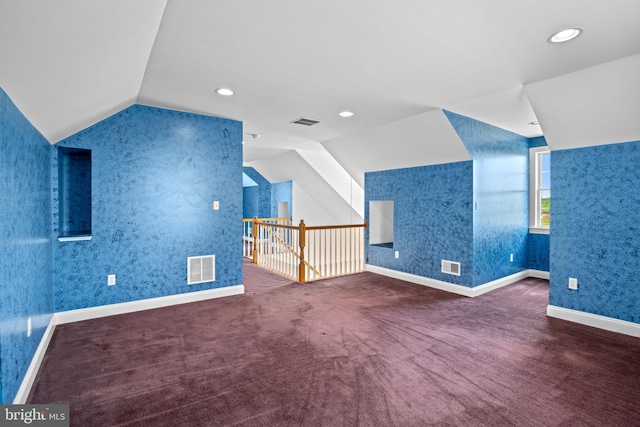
{"type": "Point", "coordinates": [155, 175]}
{"type": "Point", "coordinates": [250, 201]}
{"type": "Point", "coordinates": [25, 232]}
{"type": "Point", "coordinates": [475, 213]}
{"type": "Point", "coordinates": [539, 247]}
{"type": "Point", "coordinates": [264, 194]}
{"type": "Point", "coordinates": [595, 235]}
{"type": "Point", "coordinates": [262, 200]}
{"type": "Point", "coordinates": [501, 198]}
{"type": "Point", "coordinates": [281, 192]}
{"type": "Point", "coordinates": [539, 141]}
{"type": "Point", "coordinates": [433, 219]}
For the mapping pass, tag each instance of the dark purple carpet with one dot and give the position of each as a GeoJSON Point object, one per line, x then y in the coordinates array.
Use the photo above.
{"type": "Point", "coordinates": [362, 350]}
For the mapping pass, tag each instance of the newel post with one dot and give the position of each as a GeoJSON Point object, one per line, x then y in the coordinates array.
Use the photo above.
{"type": "Point", "coordinates": [303, 233]}
{"type": "Point", "coordinates": [255, 239]}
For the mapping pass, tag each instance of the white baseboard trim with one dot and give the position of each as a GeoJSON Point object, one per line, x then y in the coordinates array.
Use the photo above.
{"type": "Point", "coordinates": [495, 284]}
{"type": "Point", "coordinates": [145, 304]}
{"type": "Point", "coordinates": [420, 280]}
{"type": "Point", "coordinates": [34, 366]}
{"type": "Point", "coordinates": [594, 320]}
{"type": "Point", "coordinates": [69, 316]}
{"type": "Point", "coordinates": [451, 287]}
{"type": "Point", "coordinates": [539, 274]}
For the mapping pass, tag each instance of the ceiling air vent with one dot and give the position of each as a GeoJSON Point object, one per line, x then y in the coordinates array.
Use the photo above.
{"type": "Point", "coordinates": [305, 121]}
{"type": "Point", "coordinates": [451, 267]}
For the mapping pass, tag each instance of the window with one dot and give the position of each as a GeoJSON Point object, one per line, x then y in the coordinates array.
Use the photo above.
{"type": "Point", "coordinates": [540, 197]}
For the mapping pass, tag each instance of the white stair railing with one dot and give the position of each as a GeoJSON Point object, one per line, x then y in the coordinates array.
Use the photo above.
{"type": "Point", "coordinates": [306, 253]}
{"type": "Point", "coordinates": [247, 232]}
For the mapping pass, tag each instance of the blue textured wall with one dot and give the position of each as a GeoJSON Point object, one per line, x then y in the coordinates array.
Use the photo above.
{"type": "Point", "coordinates": [539, 251]}
{"type": "Point", "coordinates": [264, 193]}
{"type": "Point", "coordinates": [250, 201]}
{"type": "Point", "coordinates": [262, 200]}
{"type": "Point", "coordinates": [539, 141]}
{"type": "Point", "coordinates": [433, 219]}
{"type": "Point", "coordinates": [281, 192]}
{"type": "Point", "coordinates": [596, 230]}
{"type": "Point", "coordinates": [25, 232]}
{"type": "Point", "coordinates": [156, 174]}
{"type": "Point", "coordinates": [501, 198]}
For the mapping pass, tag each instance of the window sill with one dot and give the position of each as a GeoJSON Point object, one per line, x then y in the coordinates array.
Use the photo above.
{"type": "Point", "coordinates": [74, 238]}
{"type": "Point", "coordinates": [534, 230]}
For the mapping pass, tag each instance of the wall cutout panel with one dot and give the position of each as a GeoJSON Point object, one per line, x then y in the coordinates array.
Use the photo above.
{"type": "Point", "coordinates": [381, 223]}
{"type": "Point", "coordinates": [433, 219]}
{"type": "Point", "coordinates": [74, 192]}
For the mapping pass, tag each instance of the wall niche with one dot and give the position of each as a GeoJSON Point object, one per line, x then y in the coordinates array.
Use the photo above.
{"type": "Point", "coordinates": [74, 186]}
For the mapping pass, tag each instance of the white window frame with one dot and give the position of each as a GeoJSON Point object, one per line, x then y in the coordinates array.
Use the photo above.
{"type": "Point", "coordinates": [535, 166]}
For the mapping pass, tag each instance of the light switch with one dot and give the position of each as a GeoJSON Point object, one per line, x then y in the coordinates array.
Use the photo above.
{"type": "Point", "coordinates": [216, 205]}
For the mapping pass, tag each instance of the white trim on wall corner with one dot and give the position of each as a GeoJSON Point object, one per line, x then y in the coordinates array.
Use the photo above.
{"type": "Point", "coordinates": [62, 317]}
{"type": "Point", "coordinates": [451, 287]}
{"type": "Point", "coordinates": [594, 320]}
{"type": "Point", "coordinates": [539, 274]}
{"type": "Point", "coordinates": [145, 304]}
{"type": "Point", "coordinates": [495, 284]}
{"type": "Point", "coordinates": [34, 366]}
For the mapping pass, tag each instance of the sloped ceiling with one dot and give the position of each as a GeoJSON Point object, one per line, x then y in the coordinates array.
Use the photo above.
{"type": "Point", "coordinates": [597, 105]}
{"type": "Point", "coordinates": [423, 139]}
{"type": "Point", "coordinates": [70, 63]}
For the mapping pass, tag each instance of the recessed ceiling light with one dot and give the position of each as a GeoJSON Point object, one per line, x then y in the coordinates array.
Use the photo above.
{"type": "Point", "coordinates": [565, 35]}
{"type": "Point", "coordinates": [345, 114]}
{"type": "Point", "coordinates": [224, 91]}
{"type": "Point", "coordinates": [534, 123]}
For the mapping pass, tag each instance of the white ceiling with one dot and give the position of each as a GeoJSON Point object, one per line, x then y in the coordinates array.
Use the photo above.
{"type": "Point", "coordinates": [70, 63]}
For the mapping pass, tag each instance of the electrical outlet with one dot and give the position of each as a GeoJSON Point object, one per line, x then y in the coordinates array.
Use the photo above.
{"type": "Point", "coordinates": [111, 279]}
{"type": "Point", "coordinates": [397, 254]}
{"type": "Point", "coordinates": [573, 283]}
{"type": "Point", "coordinates": [29, 327]}
{"type": "Point", "coordinates": [511, 258]}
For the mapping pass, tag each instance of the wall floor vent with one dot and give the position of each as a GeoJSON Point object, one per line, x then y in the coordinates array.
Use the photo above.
{"type": "Point", "coordinates": [451, 267]}
{"type": "Point", "coordinates": [305, 121]}
{"type": "Point", "coordinates": [201, 269]}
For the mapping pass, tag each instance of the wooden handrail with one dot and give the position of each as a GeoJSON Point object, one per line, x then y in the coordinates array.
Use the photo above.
{"type": "Point", "coordinates": [314, 227]}
{"type": "Point", "coordinates": [336, 260]}
{"type": "Point", "coordinates": [271, 224]}
{"type": "Point", "coordinates": [267, 219]}
{"type": "Point", "coordinates": [328, 227]}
